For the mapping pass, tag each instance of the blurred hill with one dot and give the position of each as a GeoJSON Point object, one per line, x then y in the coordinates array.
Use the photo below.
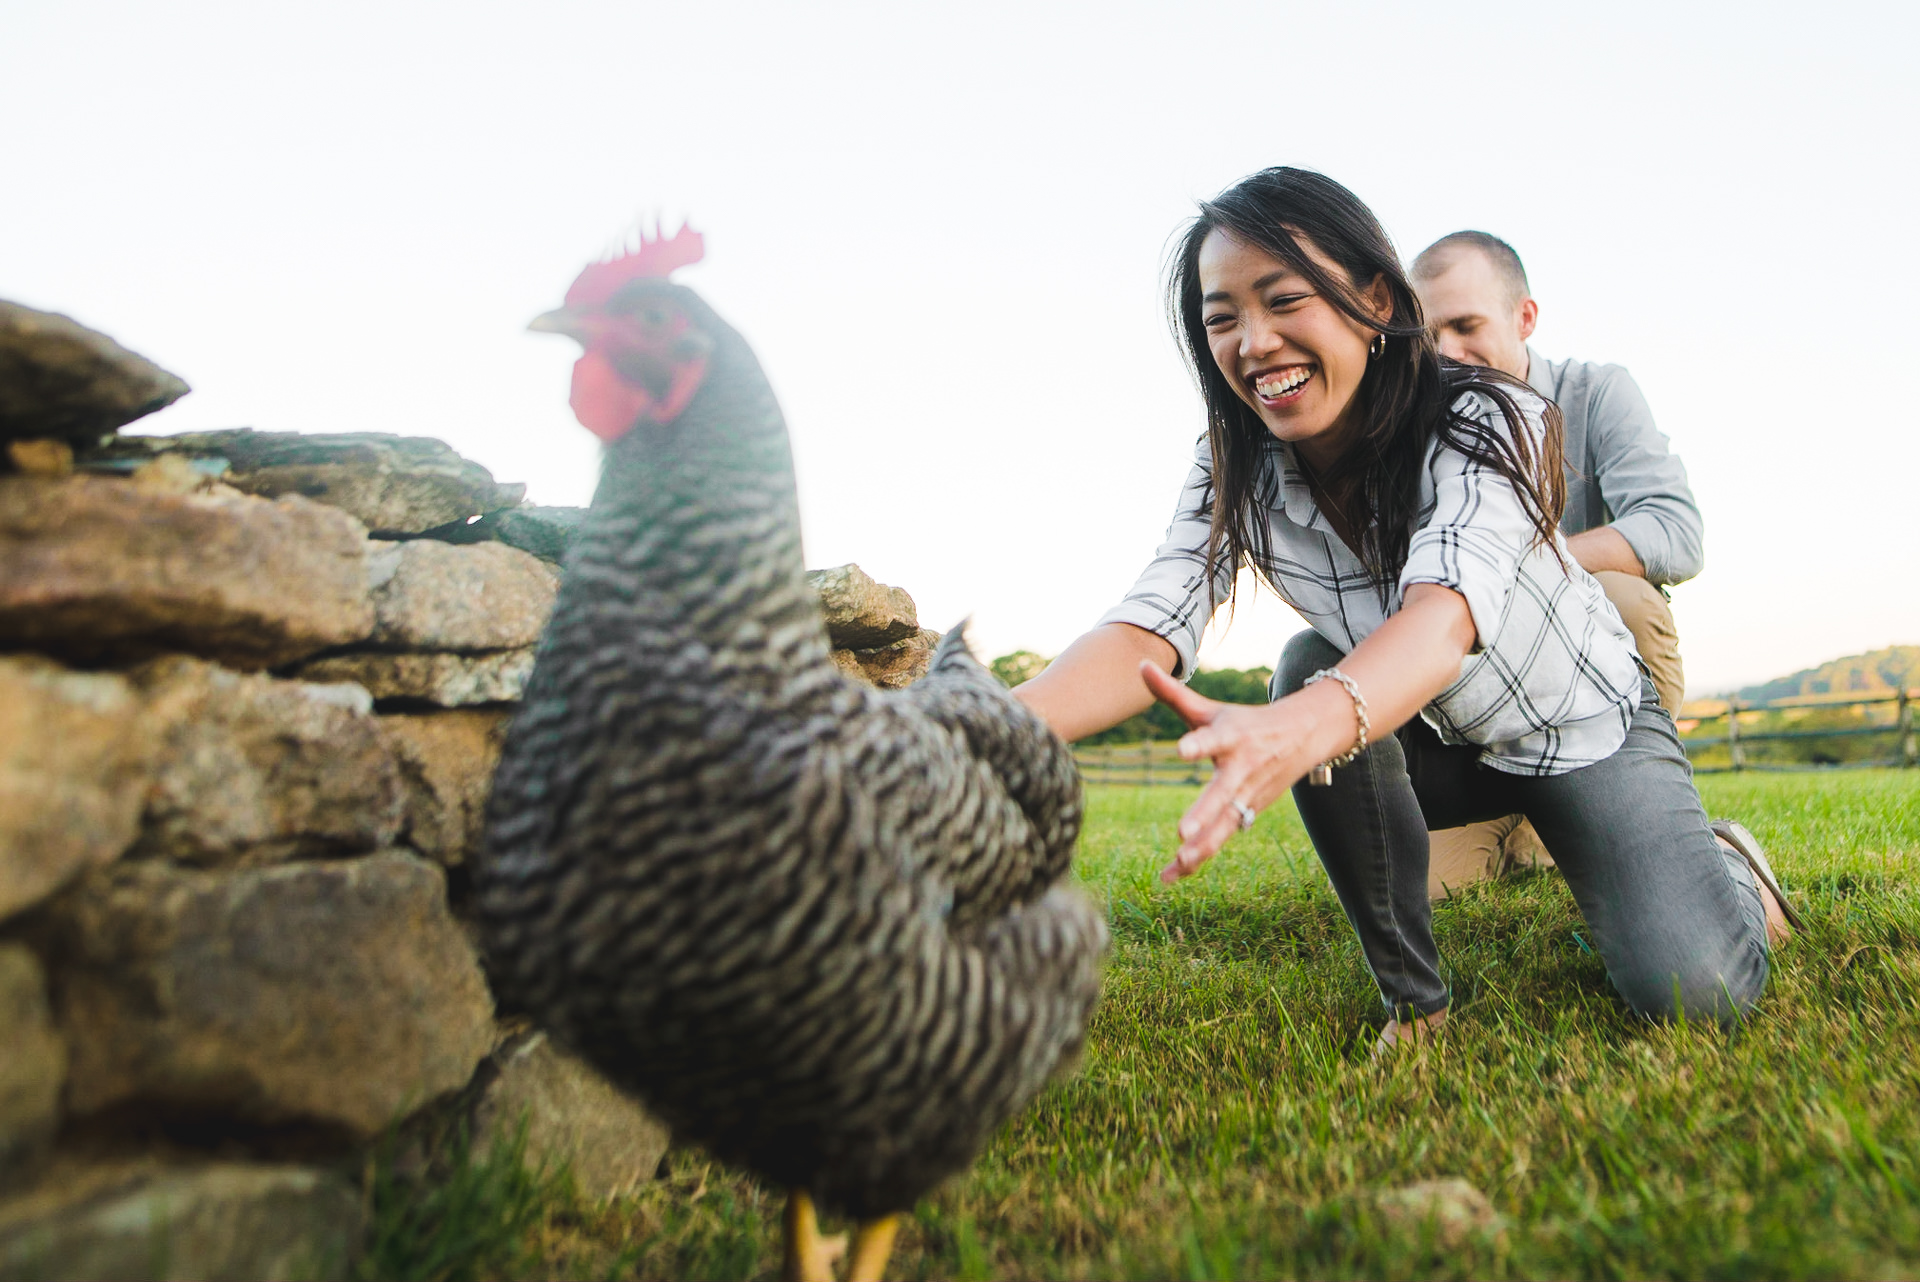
{"type": "Point", "coordinates": [1875, 672]}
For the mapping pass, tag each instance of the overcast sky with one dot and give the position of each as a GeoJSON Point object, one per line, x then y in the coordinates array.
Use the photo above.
{"type": "Point", "coordinates": [943, 230]}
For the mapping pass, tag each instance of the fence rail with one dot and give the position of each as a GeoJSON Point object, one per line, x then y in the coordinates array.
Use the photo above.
{"type": "Point", "coordinates": [1147, 763]}
{"type": "Point", "coordinates": [1152, 762]}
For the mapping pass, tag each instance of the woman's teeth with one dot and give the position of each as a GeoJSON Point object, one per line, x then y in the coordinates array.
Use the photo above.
{"type": "Point", "coordinates": [1280, 384]}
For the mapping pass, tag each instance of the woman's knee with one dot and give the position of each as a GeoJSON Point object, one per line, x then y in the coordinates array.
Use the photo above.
{"type": "Point", "coordinates": [1304, 654]}
{"type": "Point", "coordinates": [1722, 995]}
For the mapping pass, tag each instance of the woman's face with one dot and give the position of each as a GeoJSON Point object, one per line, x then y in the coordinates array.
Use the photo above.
{"type": "Point", "coordinates": [1290, 354]}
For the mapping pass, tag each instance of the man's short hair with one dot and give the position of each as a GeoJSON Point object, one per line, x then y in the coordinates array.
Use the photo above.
{"type": "Point", "coordinates": [1440, 255]}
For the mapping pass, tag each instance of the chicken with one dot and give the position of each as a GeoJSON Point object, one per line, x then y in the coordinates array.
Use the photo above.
{"type": "Point", "coordinates": [823, 930]}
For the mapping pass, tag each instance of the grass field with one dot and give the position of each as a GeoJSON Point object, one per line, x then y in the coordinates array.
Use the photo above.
{"type": "Point", "coordinates": [1228, 1121]}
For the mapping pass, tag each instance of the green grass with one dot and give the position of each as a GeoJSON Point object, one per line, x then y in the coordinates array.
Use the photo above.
{"type": "Point", "coordinates": [459, 1216]}
{"type": "Point", "coordinates": [1228, 1121]}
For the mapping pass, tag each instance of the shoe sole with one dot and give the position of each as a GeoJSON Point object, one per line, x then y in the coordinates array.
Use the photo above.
{"type": "Point", "coordinates": [1737, 836]}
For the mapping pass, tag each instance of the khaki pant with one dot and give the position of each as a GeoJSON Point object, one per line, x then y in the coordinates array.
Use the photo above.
{"type": "Point", "coordinates": [1498, 847]}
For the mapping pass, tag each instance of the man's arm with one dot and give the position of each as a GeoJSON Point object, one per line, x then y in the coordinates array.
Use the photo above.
{"type": "Point", "coordinates": [1644, 485]}
{"type": "Point", "coordinates": [1605, 548]}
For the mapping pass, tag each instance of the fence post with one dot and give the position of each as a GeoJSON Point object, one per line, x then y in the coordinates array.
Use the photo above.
{"type": "Point", "coordinates": [1146, 761]}
{"type": "Point", "coordinates": [1735, 752]}
{"type": "Point", "coordinates": [1909, 751]}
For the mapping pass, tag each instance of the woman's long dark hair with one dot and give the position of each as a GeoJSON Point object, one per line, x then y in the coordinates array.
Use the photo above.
{"type": "Point", "coordinates": [1404, 400]}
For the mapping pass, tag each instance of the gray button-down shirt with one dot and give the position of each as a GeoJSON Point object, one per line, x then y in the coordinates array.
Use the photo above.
{"type": "Point", "coordinates": [1619, 469]}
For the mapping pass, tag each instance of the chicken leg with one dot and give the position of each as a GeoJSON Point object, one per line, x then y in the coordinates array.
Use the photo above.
{"type": "Point", "coordinates": [871, 1248]}
{"type": "Point", "coordinates": [810, 1257]}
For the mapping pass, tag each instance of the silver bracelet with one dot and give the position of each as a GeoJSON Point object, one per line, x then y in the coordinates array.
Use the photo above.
{"type": "Point", "coordinates": [1322, 774]}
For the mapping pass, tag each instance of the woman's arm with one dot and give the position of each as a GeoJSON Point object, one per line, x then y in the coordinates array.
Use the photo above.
{"type": "Point", "coordinates": [1096, 683]}
{"type": "Point", "coordinates": [1260, 752]}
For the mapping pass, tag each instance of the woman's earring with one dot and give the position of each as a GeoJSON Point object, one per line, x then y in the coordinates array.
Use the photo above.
{"type": "Point", "coordinates": [1378, 346]}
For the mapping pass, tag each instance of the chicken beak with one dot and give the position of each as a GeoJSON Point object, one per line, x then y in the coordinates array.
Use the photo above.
{"type": "Point", "coordinates": [558, 321]}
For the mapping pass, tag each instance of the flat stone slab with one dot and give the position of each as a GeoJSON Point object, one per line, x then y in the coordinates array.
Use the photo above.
{"type": "Point", "coordinates": [73, 770]}
{"type": "Point", "coordinates": [33, 1064]}
{"type": "Point", "coordinates": [572, 1115]}
{"type": "Point", "coordinates": [447, 761]}
{"type": "Point", "coordinates": [340, 994]}
{"type": "Point", "coordinates": [60, 379]}
{"type": "Point", "coordinates": [216, 1222]}
{"type": "Point", "coordinates": [547, 532]}
{"type": "Point", "coordinates": [391, 484]}
{"type": "Point", "coordinates": [103, 569]}
{"type": "Point", "coordinates": [429, 595]}
{"type": "Point", "coordinates": [251, 769]}
{"type": "Point", "coordinates": [860, 613]}
{"type": "Point", "coordinates": [444, 678]}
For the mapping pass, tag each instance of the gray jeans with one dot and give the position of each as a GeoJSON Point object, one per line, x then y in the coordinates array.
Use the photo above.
{"type": "Point", "coordinates": [1671, 911]}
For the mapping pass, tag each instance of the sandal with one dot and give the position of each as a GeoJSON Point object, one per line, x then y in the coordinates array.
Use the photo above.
{"type": "Point", "coordinates": [1737, 836]}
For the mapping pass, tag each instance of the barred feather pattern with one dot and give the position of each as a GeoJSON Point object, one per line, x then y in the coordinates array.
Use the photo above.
{"type": "Point", "coordinates": [825, 931]}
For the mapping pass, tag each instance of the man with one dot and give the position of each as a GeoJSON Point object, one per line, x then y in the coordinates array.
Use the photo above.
{"type": "Point", "coordinates": [1631, 521]}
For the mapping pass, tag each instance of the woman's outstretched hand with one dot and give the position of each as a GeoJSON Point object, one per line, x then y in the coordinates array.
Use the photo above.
{"type": "Point", "coordinates": [1258, 752]}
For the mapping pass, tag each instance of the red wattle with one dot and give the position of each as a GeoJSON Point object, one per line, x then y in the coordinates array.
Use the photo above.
{"type": "Point", "coordinates": [606, 404]}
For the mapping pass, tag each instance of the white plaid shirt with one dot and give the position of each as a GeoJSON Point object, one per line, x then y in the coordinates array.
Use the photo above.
{"type": "Point", "coordinates": [1553, 680]}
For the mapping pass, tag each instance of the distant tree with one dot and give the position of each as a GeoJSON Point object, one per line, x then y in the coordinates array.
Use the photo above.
{"type": "Point", "coordinates": [1233, 685]}
{"type": "Point", "coordinates": [1021, 665]}
{"type": "Point", "coordinates": [1228, 685]}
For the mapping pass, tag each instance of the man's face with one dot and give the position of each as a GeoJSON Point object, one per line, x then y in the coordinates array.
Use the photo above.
{"type": "Point", "coordinates": [1474, 318]}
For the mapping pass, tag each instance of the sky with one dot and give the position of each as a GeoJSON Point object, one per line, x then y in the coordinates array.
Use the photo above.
{"type": "Point", "coordinates": [944, 228]}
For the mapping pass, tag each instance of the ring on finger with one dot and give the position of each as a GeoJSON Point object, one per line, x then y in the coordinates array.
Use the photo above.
{"type": "Point", "coordinates": [1247, 814]}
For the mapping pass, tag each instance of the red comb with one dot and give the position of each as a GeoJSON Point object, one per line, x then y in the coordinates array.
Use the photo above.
{"type": "Point", "coordinates": [657, 258]}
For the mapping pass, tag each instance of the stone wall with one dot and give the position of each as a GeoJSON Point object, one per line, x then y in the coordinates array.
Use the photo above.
{"type": "Point", "coordinates": [252, 689]}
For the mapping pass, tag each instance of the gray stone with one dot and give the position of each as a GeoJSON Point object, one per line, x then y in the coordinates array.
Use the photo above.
{"type": "Point", "coordinates": [430, 595]}
{"type": "Point", "coordinates": [1452, 1209]}
{"type": "Point", "coordinates": [547, 532]}
{"type": "Point", "coordinates": [73, 769]}
{"type": "Point", "coordinates": [208, 1223]}
{"type": "Point", "coordinates": [33, 1065]}
{"type": "Point", "coordinates": [573, 1116]}
{"type": "Point", "coordinates": [251, 769]}
{"type": "Point", "coordinates": [439, 677]}
{"type": "Point", "coordinates": [96, 568]}
{"type": "Point", "coordinates": [447, 761]}
{"type": "Point", "coordinates": [58, 378]}
{"type": "Point", "coordinates": [860, 613]}
{"type": "Point", "coordinates": [392, 484]}
{"type": "Point", "coordinates": [342, 995]}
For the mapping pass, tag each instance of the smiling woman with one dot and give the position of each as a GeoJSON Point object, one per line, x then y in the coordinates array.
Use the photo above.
{"type": "Point", "coordinates": [1460, 665]}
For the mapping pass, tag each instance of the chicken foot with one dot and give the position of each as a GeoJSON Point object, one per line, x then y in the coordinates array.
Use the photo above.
{"type": "Point", "coordinates": [810, 1256]}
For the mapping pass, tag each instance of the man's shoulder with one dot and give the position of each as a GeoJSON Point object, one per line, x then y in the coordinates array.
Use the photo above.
{"type": "Point", "coordinates": [1571, 374]}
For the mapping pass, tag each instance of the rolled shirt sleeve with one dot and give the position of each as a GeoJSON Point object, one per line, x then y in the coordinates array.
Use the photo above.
{"type": "Point", "coordinates": [1643, 483]}
{"type": "Point", "coordinates": [1173, 598]}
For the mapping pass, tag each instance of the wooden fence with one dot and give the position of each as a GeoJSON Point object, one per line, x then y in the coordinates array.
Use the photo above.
{"type": "Point", "coordinates": [1151, 762]}
{"type": "Point", "coordinates": [1899, 731]}
{"type": "Point", "coordinates": [1156, 762]}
